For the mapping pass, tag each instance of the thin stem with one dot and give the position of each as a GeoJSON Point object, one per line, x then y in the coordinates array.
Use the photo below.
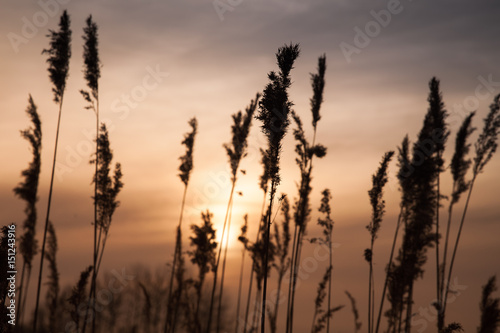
{"type": "Point", "coordinates": [438, 273]}
{"type": "Point", "coordinates": [239, 289]}
{"type": "Point", "coordinates": [250, 284]}
{"type": "Point", "coordinates": [266, 260]}
{"type": "Point", "coordinates": [456, 245]}
{"type": "Point", "coordinates": [167, 321]}
{"type": "Point", "coordinates": [290, 283]}
{"type": "Point", "coordinates": [329, 280]}
{"type": "Point", "coordinates": [219, 310]}
{"type": "Point", "coordinates": [218, 259]}
{"type": "Point", "coordinates": [35, 317]}
{"type": "Point", "coordinates": [388, 270]}
{"type": "Point", "coordinates": [96, 249]}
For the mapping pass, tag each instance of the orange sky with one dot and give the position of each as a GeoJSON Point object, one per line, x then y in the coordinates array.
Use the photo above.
{"type": "Point", "coordinates": [211, 68]}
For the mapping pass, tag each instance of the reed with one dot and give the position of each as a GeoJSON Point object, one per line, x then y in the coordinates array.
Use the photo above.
{"type": "Point", "coordinates": [306, 152]}
{"type": "Point", "coordinates": [59, 54]}
{"type": "Point", "coordinates": [27, 190]}
{"type": "Point", "coordinates": [490, 308]}
{"type": "Point", "coordinates": [205, 244]}
{"type": "Point", "coordinates": [52, 297]}
{"type": "Point", "coordinates": [485, 147]}
{"type": "Point", "coordinates": [77, 297]}
{"type": "Point", "coordinates": [355, 312]}
{"type": "Point", "coordinates": [379, 179]}
{"type": "Point", "coordinates": [236, 150]}
{"type": "Point", "coordinates": [92, 73]}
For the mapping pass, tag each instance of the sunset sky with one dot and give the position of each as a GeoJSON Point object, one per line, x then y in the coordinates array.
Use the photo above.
{"type": "Point", "coordinates": [167, 61]}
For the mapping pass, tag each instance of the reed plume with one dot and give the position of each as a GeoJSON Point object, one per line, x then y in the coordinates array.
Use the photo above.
{"type": "Point", "coordinates": [92, 73]}
{"type": "Point", "coordinates": [490, 308]}
{"type": "Point", "coordinates": [236, 150]}
{"type": "Point", "coordinates": [185, 172]}
{"type": "Point", "coordinates": [379, 179]}
{"type": "Point", "coordinates": [274, 109]}
{"type": "Point", "coordinates": [77, 297]}
{"type": "Point", "coordinates": [354, 310]}
{"type": "Point", "coordinates": [205, 244]}
{"type": "Point", "coordinates": [459, 166]}
{"type": "Point", "coordinates": [27, 190]}
{"type": "Point", "coordinates": [485, 147]}
{"type": "Point", "coordinates": [59, 54]}
{"type": "Point", "coordinates": [306, 153]}
{"type": "Point", "coordinates": [320, 315]}
{"type": "Point", "coordinates": [327, 225]}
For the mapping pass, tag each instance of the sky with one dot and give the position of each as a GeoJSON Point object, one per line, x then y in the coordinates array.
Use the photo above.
{"type": "Point", "coordinates": [166, 62]}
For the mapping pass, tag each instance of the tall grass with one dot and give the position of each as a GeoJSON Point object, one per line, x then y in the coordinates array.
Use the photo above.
{"type": "Point", "coordinates": [53, 283]}
{"type": "Point", "coordinates": [27, 190]}
{"type": "Point", "coordinates": [274, 109]}
{"type": "Point", "coordinates": [306, 152]}
{"type": "Point", "coordinates": [485, 146]}
{"type": "Point", "coordinates": [235, 150]}
{"type": "Point", "coordinates": [59, 54]}
{"type": "Point", "coordinates": [379, 179]}
{"type": "Point", "coordinates": [185, 172]}
{"type": "Point", "coordinates": [205, 244]}
{"type": "Point", "coordinates": [490, 308]}
{"type": "Point", "coordinates": [92, 73]}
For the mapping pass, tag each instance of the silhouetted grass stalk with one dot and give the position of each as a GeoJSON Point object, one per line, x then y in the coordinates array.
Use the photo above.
{"type": "Point", "coordinates": [306, 154]}
{"type": "Point", "coordinates": [59, 55]}
{"type": "Point", "coordinates": [485, 147]}
{"type": "Point", "coordinates": [185, 171]}
{"type": "Point", "coordinates": [27, 191]}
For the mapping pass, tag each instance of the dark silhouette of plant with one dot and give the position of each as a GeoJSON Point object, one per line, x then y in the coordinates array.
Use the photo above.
{"type": "Point", "coordinates": [185, 172]}
{"type": "Point", "coordinates": [262, 254]}
{"type": "Point", "coordinates": [459, 167]}
{"type": "Point", "coordinates": [354, 309]}
{"type": "Point", "coordinates": [419, 199]}
{"type": "Point", "coordinates": [27, 190]}
{"type": "Point", "coordinates": [306, 153]}
{"type": "Point", "coordinates": [436, 148]}
{"type": "Point", "coordinates": [108, 188]}
{"type": "Point", "coordinates": [236, 150]}
{"type": "Point", "coordinates": [203, 256]}
{"type": "Point", "coordinates": [379, 179]}
{"type": "Point", "coordinates": [327, 224]}
{"type": "Point", "coordinates": [391, 278]}
{"type": "Point", "coordinates": [78, 297]}
{"type": "Point", "coordinates": [244, 241]}
{"type": "Point", "coordinates": [274, 109]}
{"type": "Point", "coordinates": [53, 284]}
{"type": "Point", "coordinates": [490, 308]}
{"type": "Point", "coordinates": [320, 315]}
{"type": "Point", "coordinates": [485, 146]}
{"type": "Point", "coordinates": [59, 54]}
{"type": "Point", "coordinates": [92, 73]}
{"type": "Point", "coordinates": [282, 263]}
{"type": "Point", "coordinates": [263, 183]}
{"type": "Point", "coordinates": [453, 327]}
